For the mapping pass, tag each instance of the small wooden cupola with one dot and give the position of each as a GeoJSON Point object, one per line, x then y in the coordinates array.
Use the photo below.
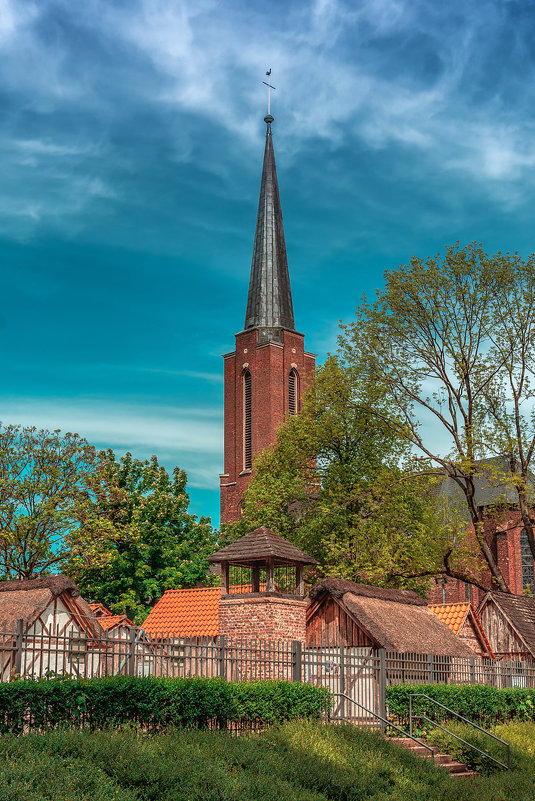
{"type": "Point", "coordinates": [262, 564]}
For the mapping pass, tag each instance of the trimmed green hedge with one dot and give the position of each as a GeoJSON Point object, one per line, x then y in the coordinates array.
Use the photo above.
{"type": "Point", "coordinates": [477, 702]}
{"type": "Point", "coordinates": [155, 703]}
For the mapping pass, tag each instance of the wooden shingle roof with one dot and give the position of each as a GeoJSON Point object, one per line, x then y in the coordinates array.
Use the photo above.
{"type": "Point", "coordinates": [259, 545]}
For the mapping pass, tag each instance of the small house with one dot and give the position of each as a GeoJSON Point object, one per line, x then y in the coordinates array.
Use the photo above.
{"type": "Point", "coordinates": [463, 620]}
{"type": "Point", "coordinates": [509, 622]}
{"type": "Point", "coordinates": [46, 627]}
{"type": "Point", "coordinates": [359, 615]}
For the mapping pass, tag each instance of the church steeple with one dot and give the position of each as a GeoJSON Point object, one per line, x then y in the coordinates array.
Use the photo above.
{"type": "Point", "coordinates": [268, 372]}
{"type": "Point", "coordinates": [269, 303]}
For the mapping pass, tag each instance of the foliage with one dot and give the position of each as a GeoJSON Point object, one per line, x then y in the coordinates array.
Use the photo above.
{"type": "Point", "coordinates": [449, 343]}
{"type": "Point", "coordinates": [297, 761]}
{"type": "Point", "coordinates": [47, 506]}
{"type": "Point", "coordinates": [157, 544]}
{"type": "Point", "coordinates": [480, 703]}
{"type": "Point", "coordinates": [154, 703]}
{"type": "Point", "coordinates": [334, 484]}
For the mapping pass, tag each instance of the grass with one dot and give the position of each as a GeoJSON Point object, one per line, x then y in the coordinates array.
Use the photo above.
{"type": "Point", "coordinates": [297, 761]}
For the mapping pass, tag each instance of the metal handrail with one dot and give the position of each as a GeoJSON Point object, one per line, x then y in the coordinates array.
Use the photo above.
{"type": "Point", "coordinates": [389, 723]}
{"type": "Point", "coordinates": [465, 720]}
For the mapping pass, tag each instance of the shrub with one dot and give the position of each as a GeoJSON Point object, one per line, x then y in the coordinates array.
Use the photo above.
{"type": "Point", "coordinates": [477, 702]}
{"type": "Point", "coordinates": [155, 703]}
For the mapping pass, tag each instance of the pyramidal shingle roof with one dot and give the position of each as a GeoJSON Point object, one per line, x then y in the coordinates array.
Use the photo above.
{"type": "Point", "coordinates": [262, 544]}
{"type": "Point", "coordinates": [269, 303]}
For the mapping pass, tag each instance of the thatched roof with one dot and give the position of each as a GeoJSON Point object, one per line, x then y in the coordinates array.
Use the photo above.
{"type": "Point", "coordinates": [259, 545]}
{"type": "Point", "coordinates": [397, 620]}
{"type": "Point", "coordinates": [26, 599]}
{"type": "Point", "coordinates": [519, 610]}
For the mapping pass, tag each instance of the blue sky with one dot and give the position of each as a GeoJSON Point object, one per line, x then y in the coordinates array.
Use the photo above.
{"type": "Point", "coordinates": [131, 139]}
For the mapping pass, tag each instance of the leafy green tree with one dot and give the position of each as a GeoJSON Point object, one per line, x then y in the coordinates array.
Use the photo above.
{"type": "Point", "coordinates": [47, 509]}
{"type": "Point", "coordinates": [334, 484]}
{"type": "Point", "coordinates": [157, 544]}
{"type": "Point", "coordinates": [450, 341]}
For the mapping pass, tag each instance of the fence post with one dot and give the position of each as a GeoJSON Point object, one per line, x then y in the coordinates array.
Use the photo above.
{"type": "Point", "coordinates": [342, 683]}
{"type": "Point", "coordinates": [430, 675]}
{"type": "Point", "coordinates": [382, 686]}
{"type": "Point", "coordinates": [18, 647]}
{"type": "Point", "coordinates": [472, 670]}
{"type": "Point", "coordinates": [297, 658]}
{"type": "Point", "coordinates": [222, 656]}
{"type": "Point", "coordinates": [131, 670]}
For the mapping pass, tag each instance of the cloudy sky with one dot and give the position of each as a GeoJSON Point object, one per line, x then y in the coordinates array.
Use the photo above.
{"type": "Point", "coordinates": [131, 139]}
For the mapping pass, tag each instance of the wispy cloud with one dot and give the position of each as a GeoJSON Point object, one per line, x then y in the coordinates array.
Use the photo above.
{"type": "Point", "coordinates": [188, 437]}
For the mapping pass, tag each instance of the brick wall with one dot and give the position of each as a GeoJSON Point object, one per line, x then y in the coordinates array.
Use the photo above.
{"type": "Point", "coordinates": [270, 365]}
{"type": "Point", "coordinates": [263, 618]}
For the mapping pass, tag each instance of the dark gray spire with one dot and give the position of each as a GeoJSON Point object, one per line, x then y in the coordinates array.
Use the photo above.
{"type": "Point", "coordinates": [269, 303]}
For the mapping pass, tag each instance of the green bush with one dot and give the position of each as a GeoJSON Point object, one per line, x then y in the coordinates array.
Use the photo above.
{"type": "Point", "coordinates": [155, 703]}
{"type": "Point", "coordinates": [477, 702]}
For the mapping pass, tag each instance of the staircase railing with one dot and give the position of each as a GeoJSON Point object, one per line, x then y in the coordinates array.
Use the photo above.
{"type": "Point", "coordinates": [452, 734]}
{"type": "Point", "coordinates": [387, 722]}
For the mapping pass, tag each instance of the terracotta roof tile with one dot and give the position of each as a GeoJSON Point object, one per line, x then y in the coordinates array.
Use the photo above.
{"type": "Point", "coordinates": [453, 615]}
{"type": "Point", "coordinates": [193, 613]}
{"type": "Point", "coordinates": [109, 621]}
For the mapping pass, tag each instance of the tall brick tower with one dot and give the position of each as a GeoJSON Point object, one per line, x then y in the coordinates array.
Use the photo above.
{"type": "Point", "coordinates": [268, 372]}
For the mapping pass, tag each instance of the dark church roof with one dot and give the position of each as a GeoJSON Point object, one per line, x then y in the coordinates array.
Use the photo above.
{"type": "Point", "coordinates": [493, 487]}
{"type": "Point", "coordinates": [269, 303]}
{"type": "Point", "coordinates": [262, 544]}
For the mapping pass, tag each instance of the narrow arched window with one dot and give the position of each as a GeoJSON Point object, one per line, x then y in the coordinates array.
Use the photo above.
{"type": "Point", "coordinates": [526, 557]}
{"type": "Point", "coordinates": [247, 442]}
{"type": "Point", "coordinates": [293, 391]}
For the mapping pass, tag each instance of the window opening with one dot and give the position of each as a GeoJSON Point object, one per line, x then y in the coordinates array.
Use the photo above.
{"type": "Point", "coordinates": [247, 442]}
{"type": "Point", "coordinates": [526, 557]}
{"type": "Point", "coordinates": [293, 391]}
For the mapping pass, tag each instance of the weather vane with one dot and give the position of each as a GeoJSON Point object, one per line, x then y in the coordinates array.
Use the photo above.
{"type": "Point", "coordinates": [270, 87]}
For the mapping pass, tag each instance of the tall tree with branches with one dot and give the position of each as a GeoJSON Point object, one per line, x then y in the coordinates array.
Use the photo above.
{"type": "Point", "coordinates": [449, 342]}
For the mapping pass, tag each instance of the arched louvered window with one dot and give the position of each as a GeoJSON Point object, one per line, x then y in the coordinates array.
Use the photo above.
{"type": "Point", "coordinates": [293, 391]}
{"type": "Point", "coordinates": [526, 558]}
{"type": "Point", "coordinates": [247, 440]}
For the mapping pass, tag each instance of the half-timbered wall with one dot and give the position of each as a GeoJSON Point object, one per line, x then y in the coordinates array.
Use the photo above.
{"type": "Point", "coordinates": [328, 624]}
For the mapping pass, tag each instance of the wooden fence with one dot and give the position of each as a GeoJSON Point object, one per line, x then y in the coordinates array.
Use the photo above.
{"type": "Point", "coordinates": [361, 674]}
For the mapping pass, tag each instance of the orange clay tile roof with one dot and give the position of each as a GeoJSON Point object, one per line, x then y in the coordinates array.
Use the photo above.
{"type": "Point", "coordinates": [454, 615]}
{"type": "Point", "coordinates": [194, 613]}
{"type": "Point", "coordinates": [109, 621]}
{"type": "Point", "coordinates": [99, 608]}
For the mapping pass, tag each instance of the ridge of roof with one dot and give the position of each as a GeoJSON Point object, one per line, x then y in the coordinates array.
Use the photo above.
{"type": "Point", "coordinates": [55, 583]}
{"type": "Point", "coordinates": [339, 587]}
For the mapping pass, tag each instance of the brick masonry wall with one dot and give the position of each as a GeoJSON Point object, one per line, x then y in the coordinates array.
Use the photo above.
{"type": "Point", "coordinates": [503, 537]}
{"type": "Point", "coordinates": [270, 366]}
{"type": "Point", "coordinates": [263, 618]}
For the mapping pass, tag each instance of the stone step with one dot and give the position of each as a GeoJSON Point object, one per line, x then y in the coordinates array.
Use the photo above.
{"type": "Point", "coordinates": [455, 769]}
{"type": "Point", "coordinates": [464, 775]}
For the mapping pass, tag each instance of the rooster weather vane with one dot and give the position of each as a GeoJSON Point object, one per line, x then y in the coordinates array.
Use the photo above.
{"type": "Point", "coordinates": [270, 87]}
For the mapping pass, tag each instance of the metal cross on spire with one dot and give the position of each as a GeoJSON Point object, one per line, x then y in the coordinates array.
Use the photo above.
{"type": "Point", "coordinates": [270, 87]}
